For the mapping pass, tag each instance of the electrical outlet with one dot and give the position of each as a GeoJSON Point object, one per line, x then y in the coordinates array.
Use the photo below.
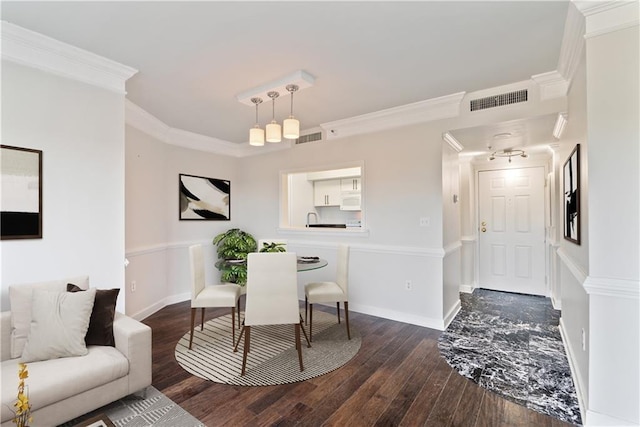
{"type": "Point", "coordinates": [407, 285]}
{"type": "Point", "coordinates": [424, 221]}
{"type": "Point", "coordinates": [133, 286]}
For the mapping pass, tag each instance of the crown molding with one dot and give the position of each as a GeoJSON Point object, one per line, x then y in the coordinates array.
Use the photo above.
{"type": "Point", "coordinates": [453, 143]}
{"type": "Point", "coordinates": [417, 112]}
{"type": "Point", "coordinates": [142, 120]}
{"type": "Point", "coordinates": [552, 85]}
{"type": "Point", "coordinates": [608, 16]}
{"type": "Point", "coordinates": [572, 43]}
{"type": "Point", "coordinates": [35, 50]}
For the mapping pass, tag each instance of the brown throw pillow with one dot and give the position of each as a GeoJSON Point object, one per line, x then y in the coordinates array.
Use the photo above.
{"type": "Point", "coordinates": [101, 323]}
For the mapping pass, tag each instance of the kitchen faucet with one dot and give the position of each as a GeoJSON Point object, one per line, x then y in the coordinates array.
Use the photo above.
{"type": "Point", "coordinates": [314, 214]}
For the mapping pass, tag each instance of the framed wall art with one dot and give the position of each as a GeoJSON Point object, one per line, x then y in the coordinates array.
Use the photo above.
{"type": "Point", "coordinates": [21, 193]}
{"type": "Point", "coordinates": [206, 199]}
{"type": "Point", "coordinates": [571, 183]}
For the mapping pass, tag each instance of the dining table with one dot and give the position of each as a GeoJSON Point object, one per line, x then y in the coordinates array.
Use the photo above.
{"type": "Point", "coordinates": [310, 263]}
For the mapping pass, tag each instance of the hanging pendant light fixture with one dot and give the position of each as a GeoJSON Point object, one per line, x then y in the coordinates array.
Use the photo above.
{"type": "Point", "coordinates": [274, 131]}
{"type": "Point", "coordinates": [291, 126]}
{"type": "Point", "coordinates": [256, 134]}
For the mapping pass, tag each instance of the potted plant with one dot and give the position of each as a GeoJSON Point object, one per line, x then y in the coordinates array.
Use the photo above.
{"type": "Point", "coordinates": [232, 247]}
{"type": "Point", "coordinates": [272, 247]}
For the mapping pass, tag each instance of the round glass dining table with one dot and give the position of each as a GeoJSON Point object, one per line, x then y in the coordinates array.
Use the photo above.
{"type": "Point", "coordinates": [316, 264]}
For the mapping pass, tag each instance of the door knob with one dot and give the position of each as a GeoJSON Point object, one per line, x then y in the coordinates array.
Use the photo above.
{"type": "Point", "coordinates": [484, 229]}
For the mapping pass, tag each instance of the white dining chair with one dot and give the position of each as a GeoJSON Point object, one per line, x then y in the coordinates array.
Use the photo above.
{"type": "Point", "coordinates": [202, 296]}
{"type": "Point", "coordinates": [272, 296]}
{"type": "Point", "coordinates": [338, 291]}
{"type": "Point", "coordinates": [279, 242]}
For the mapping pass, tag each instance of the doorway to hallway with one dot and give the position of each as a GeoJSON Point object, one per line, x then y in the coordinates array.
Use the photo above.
{"type": "Point", "coordinates": [511, 230]}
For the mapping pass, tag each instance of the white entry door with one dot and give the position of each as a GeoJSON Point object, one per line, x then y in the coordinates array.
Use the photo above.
{"type": "Point", "coordinates": [511, 234]}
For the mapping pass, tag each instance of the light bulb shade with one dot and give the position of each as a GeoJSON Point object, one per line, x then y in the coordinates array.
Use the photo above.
{"type": "Point", "coordinates": [274, 132]}
{"type": "Point", "coordinates": [256, 136]}
{"type": "Point", "coordinates": [291, 128]}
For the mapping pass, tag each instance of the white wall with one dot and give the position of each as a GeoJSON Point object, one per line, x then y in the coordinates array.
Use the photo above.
{"type": "Point", "coordinates": [614, 229]}
{"type": "Point", "coordinates": [402, 173]}
{"type": "Point", "coordinates": [157, 240]}
{"type": "Point", "coordinates": [572, 261]}
{"type": "Point", "coordinates": [451, 232]}
{"type": "Point", "coordinates": [80, 130]}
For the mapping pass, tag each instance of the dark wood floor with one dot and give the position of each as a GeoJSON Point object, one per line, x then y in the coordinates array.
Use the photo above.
{"type": "Point", "coordinates": [397, 378]}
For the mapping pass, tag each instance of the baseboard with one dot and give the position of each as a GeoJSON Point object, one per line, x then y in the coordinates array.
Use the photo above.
{"type": "Point", "coordinates": [452, 313]}
{"type": "Point", "coordinates": [467, 289]}
{"type": "Point", "coordinates": [148, 311]}
{"type": "Point", "coordinates": [598, 419]}
{"type": "Point", "coordinates": [397, 316]}
{"type": "Point", "coordinates": [556, 303]}
{"type": "Point", "coordinates": [581, 390]}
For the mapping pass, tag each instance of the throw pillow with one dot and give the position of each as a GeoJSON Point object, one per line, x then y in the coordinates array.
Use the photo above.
{"type": "Point", "coordinates": [59, 323]}
{"type": "Point", "coordinates": [20, 298]}
{"type": "Point", "coordinates": [101, 323]}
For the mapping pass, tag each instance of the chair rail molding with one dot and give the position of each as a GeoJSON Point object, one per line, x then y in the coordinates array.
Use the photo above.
{"type": "Point", "coordinates": [575, 269]}
{"type": "Point", "coordinates": [612, 287]}
{"type": "Point", "coordinates": [36, 50]}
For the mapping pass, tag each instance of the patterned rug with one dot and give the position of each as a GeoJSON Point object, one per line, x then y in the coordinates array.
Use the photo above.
{"type": "Point", "coordinates": [273, 358]}
{"type": "Point", "coordinates": [511, 345]}
{"type": "Point", "coordinates": [155, 409]}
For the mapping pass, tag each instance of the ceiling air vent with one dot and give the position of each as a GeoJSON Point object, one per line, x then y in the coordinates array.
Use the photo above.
{"type": "Point", "coordinates": [499, 100]}
{"type": "Point", "coordinates": [309, 138]}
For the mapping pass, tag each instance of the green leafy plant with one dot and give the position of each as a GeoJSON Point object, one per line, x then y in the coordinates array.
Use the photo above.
{"type": "Point", "coordinates": [233, 246]}
{"type": "Point", "coordinates": [272, 247]}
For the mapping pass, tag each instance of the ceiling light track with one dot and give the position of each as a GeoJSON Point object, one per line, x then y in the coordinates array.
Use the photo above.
{"type": "Point", "coordinates": [508, 153]}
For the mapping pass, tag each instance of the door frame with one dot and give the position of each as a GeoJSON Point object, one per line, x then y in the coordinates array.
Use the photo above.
{"type": "Point", "coordinates": [532, 161]}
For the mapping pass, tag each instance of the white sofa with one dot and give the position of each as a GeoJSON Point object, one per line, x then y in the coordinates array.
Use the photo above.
{"type": "Point", "coordinates": [64, 388]}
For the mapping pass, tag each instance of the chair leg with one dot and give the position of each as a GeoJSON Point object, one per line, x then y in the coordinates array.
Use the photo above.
{"type": "Point", "coordinates": [233, 325]}
{"type": "Point", "coordinates": [193, 321]}
{"type": "Point", "coordinates": [306, 305]}
{"type": "Point", "coordinates": [311, 322]}
{"type": "Point", "coordinates": [305, 333]}
{"type": "Point", "coordinates": [235, 349]}
{"type": "Point", "coordinates": [202, 320]}
{"type": "Point", "coordinates": [299, 345]}
{"type": "Point", "coordinates": [247, 330]}
{"type": "Point", "coordinates": [346, 318]}
{"type": "Point", "coordinates": [338, 310]}
{"type": "Point", "coordinates": [238, 303]}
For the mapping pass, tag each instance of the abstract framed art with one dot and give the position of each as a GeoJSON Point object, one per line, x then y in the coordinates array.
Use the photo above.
{"type": "Point", "coordinates": [571, 188]}
{"type": "Point", "coordinates": [204, 199]}
{"type": "Point", "coordinates": [21, 193]}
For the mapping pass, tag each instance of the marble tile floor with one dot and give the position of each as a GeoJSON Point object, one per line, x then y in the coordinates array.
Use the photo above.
{"type": "Point", "coordinates": [510, 344]}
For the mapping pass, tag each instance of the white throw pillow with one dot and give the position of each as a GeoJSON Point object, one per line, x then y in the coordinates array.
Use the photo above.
{"type": "Point", "coordinates": [59, 322]}
{"type": "Point", "coordinates": [20, 298]}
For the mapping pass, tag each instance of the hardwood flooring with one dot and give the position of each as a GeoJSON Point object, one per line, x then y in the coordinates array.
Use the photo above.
{"type": "Point", "coordinates": [397, 379]}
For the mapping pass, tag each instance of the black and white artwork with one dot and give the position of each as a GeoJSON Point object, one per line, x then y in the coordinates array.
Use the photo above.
{"type": "Point", "coordinates": [21, 193]}
{"type": "Point", "coordinates": [204, 198]}
{"type": "Point", "coordinates": [572, 196]}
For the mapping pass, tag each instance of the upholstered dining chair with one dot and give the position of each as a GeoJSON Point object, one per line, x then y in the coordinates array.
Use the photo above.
{"type": "Point", "coordinates": [272, 296]}
{"type": "Point", "coordinates": [337, 291]}
{"type": "Point", "coordinates": [279, 242]}
{"type": "Point", "coordinates": [202, 296]}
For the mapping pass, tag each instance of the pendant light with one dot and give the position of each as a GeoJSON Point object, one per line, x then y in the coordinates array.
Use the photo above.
{"type": "Point", "coordinates": [256, 134]}
{"type": "Point", "coordinates": [291, 126]}
{"type": "Point", "coordinates": [274, 131]}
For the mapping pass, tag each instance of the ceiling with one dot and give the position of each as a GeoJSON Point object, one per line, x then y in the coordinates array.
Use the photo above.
{"type": "Point", "coordinates": [195, 57]}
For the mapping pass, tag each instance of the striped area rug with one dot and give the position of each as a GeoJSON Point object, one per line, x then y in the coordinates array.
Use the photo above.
{"type": "Point", "coordinates": [272, 359]}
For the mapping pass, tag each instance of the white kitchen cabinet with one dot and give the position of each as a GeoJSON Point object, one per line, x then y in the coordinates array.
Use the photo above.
{"type": "Point", "coordinates": [350, 184]}
{"type": "Point", "coordinates": [327, 192]}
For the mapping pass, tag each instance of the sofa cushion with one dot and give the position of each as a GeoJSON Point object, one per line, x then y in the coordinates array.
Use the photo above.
{"type": "Point", "coordinates": [20, 300]}
{"type": "Point", "coordinates": [59, 323]}
{"type": "Point", "coordinates": [101, 322]}
{"type": "Point", "coordinates": [57, 379]}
